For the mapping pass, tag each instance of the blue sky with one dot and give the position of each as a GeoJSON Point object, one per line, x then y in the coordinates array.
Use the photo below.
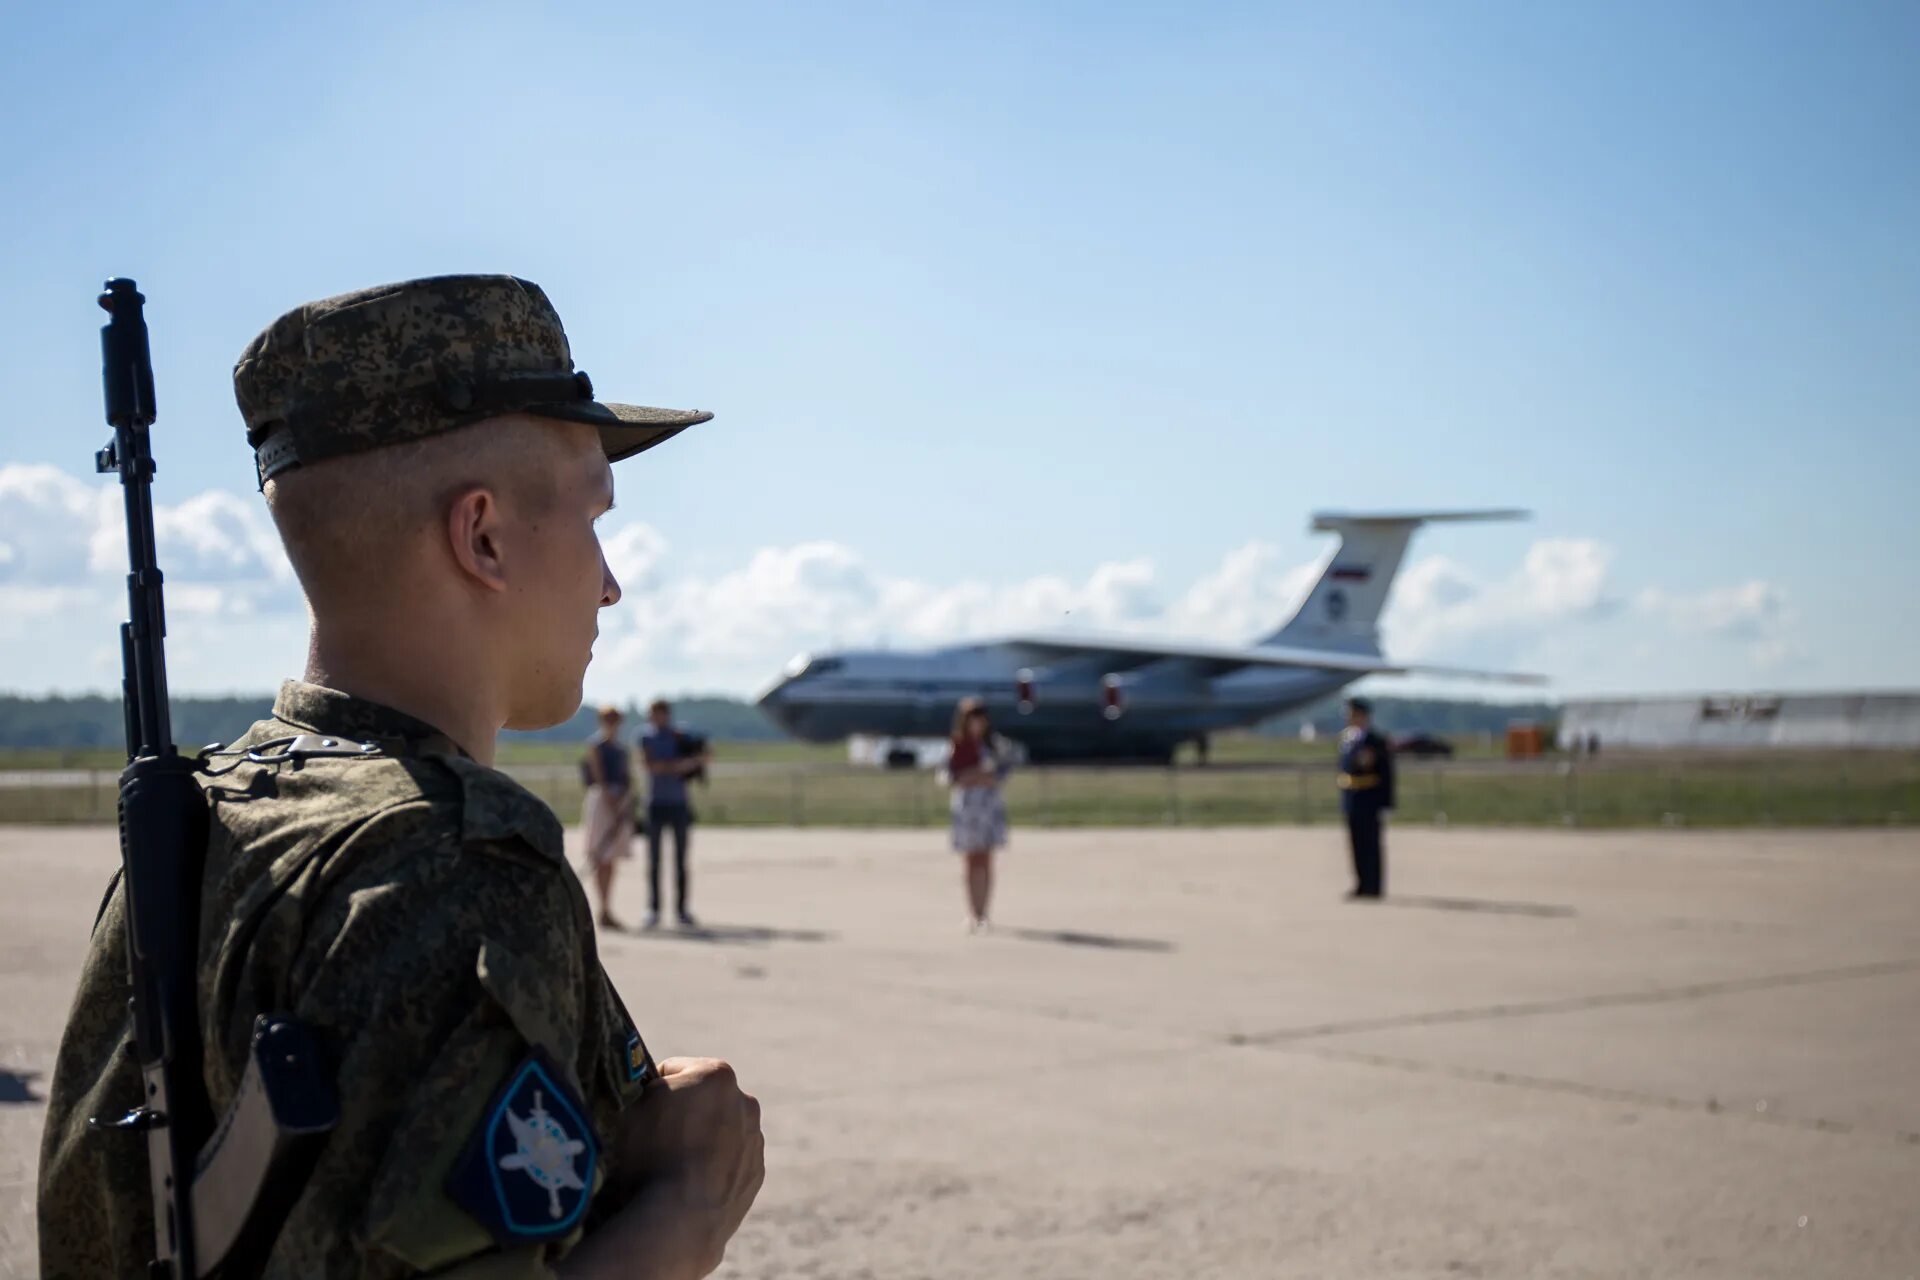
{"type": "Point", "coordinates": [1020, 315]}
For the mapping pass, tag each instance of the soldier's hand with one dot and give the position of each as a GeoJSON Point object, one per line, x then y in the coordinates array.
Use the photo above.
{"type": "Point", "coordinates": [691, 1152]}
{"type": "Point", "coordinates": [694, 1114]}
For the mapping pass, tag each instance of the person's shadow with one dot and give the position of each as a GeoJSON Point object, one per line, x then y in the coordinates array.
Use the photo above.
{"type": "Point", "coordinates": [1546, 910]}
{"type": "Point", "coordinates": [17, 1086]}
{"type": "Point", "coordinates": [738, 935]}
{"type": "Point", "coordinates": [1083, 938]}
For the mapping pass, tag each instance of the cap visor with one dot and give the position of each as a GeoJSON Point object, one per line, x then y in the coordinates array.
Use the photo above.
{"type": "Point", "coordinates": [625, 429]}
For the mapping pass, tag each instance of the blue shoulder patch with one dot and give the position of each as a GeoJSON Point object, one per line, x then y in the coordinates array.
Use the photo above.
{"type": "Point", "coordinates": [527, 1172]}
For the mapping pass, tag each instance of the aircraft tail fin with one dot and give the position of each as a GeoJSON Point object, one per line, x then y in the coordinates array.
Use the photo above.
{"type": "Point", "coordinates": [1342, 611]}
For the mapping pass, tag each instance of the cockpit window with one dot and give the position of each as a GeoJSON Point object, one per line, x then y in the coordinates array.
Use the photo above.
{"type": "Point", "coordinates": [808, 665]}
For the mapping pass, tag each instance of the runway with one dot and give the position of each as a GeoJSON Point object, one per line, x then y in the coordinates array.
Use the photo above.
{"type": "Point", "coordinates": [1549, 1054]}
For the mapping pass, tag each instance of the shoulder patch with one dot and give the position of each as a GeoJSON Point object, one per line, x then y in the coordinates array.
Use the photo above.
{"type": "Point", "coordinates": [527, 1172]}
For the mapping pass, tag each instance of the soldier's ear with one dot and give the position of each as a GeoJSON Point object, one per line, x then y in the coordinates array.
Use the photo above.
{"type": "Point", "coordinates": [473, 532]}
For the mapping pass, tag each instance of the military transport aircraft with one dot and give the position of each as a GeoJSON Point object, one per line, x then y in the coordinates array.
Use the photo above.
{"type": "Point", "coordinates": [1083, 697]}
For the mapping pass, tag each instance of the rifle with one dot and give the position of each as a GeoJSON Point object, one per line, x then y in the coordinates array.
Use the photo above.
{"type": "Point", "coordinates": [218, 1194]}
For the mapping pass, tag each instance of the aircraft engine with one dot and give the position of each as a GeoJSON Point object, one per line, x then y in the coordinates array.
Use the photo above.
{"type": "Point", "coordinates": [1023, 691]}
{"type": "Point", "coordinates": [1113, 702]}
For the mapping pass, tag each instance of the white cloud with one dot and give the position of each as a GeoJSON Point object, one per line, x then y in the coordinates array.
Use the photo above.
{"type": "Point", "coordinates": [62, 562]}
{"type": "Point", "coordinates": [50, 523]}
{"type": "Point", "coordinates": [1441, 610]}
{"type": "Point", "coordinates": [59, 531]}
{"type": "Point", "coordinates": [1755, 613]}
{"type": "Point", "coordinates": [1749, 611]}
{"type": "Point", "coordinates": [735, 630]}
{"type": "Point", "coordinates": [24, 607]}
{"type": "Point", "coordinates": [1438, 607]}
{"type": "Point", "coordinates": [634, 554]}
{"type": "Point", "coordinates": [219, 537]}
{"type": "Point", "coordinates": [1250, 594]}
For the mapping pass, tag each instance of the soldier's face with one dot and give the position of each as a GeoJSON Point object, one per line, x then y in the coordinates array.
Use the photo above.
{"type": "Point", "coordinates": [561, 584]}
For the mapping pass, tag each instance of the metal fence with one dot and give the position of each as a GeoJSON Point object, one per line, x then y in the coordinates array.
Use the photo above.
{"type": "Point", "coordinates": [1749, 789]}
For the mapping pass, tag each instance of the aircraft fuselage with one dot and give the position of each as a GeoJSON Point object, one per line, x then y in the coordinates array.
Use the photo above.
{"type": "Point", "coordinates": [1121, 697]}
{"type": "Point", "coordinates": [1069, 711]}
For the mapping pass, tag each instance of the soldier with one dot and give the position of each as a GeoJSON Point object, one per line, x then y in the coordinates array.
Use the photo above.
{"type": "Point", "coordinates": [435, 467]}
{"type": "Point", "coordinates": [1366, 794]}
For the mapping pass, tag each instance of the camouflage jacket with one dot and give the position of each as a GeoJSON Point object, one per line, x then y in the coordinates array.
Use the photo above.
{"type": "Point", "coordinates": [416, 910]}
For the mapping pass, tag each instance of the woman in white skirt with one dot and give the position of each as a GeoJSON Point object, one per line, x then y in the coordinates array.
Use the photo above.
{"type": "Point", "coordinates": [607, 770]}
{"type": "Point", "coordinates": [976, 768]}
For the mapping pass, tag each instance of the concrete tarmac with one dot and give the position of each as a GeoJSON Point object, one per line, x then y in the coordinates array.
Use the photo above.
{"type": "Point", "coordinates": [1549, 1054]}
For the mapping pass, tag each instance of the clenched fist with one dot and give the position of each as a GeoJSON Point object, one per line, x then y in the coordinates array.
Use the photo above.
{"type": "Point", "coordinates": [683, 1167]}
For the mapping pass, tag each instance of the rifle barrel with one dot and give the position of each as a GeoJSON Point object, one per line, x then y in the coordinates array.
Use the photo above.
{"type": "Point", "coordinates": [126, 370]}
{"type": "Point", "coordinates": [162, 814]}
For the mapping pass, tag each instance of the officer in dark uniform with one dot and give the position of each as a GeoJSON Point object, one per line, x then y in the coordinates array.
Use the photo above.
{"type": "Point", "coordinates": [1366, 793]}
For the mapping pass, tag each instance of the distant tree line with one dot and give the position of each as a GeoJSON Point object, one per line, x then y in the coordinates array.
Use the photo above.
{"type": "Point", "coordinates": [720, 718]}
{"type": "Point", "coordinates": [95, 721]}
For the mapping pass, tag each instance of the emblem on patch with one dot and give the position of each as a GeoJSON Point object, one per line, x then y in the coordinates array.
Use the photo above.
{"type": "Point", "coordinates": [527, 1172]}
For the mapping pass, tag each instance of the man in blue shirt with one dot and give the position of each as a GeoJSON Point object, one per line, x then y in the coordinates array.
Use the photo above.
{"type": "Point", "coordinates": [668, 767]}
{"type": "Point", "coordinates": [1366, 793]}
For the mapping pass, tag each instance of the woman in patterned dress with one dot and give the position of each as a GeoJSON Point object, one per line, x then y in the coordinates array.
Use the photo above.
{"type": "Point", "coordinates": [607, 769]}
{"type": "Point", "coordinates": [976, 768]}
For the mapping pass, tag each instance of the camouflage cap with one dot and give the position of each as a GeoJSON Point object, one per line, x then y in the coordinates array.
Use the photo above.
{"type": "Point", "coordinates": [402, 362]}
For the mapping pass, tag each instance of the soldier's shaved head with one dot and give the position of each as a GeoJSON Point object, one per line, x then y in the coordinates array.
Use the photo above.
{"type": "Point", "coordinates": [351, 525]}
{"type": "Point", "coordinates": [463, 568]}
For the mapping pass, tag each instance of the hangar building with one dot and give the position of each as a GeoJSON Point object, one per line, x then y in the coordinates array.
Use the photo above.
{"type": "Point", "coordinates": [1863, 720]}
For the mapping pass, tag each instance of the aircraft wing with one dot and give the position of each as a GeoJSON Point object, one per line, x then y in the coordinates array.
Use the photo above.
{"type": "Point", "coordinates": [1121, 653]}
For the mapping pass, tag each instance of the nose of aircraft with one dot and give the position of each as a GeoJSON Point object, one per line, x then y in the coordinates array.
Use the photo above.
{"type": "Point", "coordinates": [778, 704]}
